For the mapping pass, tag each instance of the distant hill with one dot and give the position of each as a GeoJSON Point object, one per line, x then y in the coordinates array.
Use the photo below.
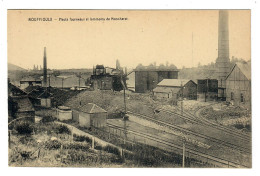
{"type": "Point", "coordinates": [12, 67]}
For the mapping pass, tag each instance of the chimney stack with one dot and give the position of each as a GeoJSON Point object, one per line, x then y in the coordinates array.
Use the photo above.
{"type": "Point", "coordinates": [44, 69]}
{"type": "Point", "coordinates": [223, 61]}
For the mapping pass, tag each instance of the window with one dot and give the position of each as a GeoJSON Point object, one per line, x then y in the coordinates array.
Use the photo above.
{"type": "Point", "coordinates": [232, 96]}
{"type": "Point", "coordinates": [242, 97]}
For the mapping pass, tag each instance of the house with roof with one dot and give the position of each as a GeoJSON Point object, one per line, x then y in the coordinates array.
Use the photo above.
{"type": "Point", "coordinates": [30, 81]}
{"type": "Point", "coordinates": [176, 88]}
{"type": "Point", "coordinates": [19, 105]}
{"type": "Point", "coordinates": [238, 85]}
{"type": "Point", "coordinates": [89, 115]}
{"type": "Point", "coordinates": [39, 96]}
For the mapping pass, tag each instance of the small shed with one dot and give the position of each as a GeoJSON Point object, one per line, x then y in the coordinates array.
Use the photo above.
{"type": "Point", "coordinates": [64, 113]}
{"type": "Point", "coordinates": [90, 115]}
{"type": "Point", "coordinates": [45, 99]}
{"type": "Point", "coordinates": [175, 88]}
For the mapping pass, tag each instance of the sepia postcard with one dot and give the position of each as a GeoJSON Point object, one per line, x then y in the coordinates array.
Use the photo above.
{"type": "Point", "coordinates": [129, 88]}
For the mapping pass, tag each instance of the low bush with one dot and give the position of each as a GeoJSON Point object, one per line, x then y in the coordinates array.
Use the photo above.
{"type": "Point", "coordinates": [47, 119]}
{"type": "Point", "coordinates": [80, 138]}
{"type": "Point", "coordinates": [52, 145]}
{"type": "Point", "coordinates": [239, 126]}
{"type": "Point", "coordinates": [24, 127]}
{"type": "Point", "coordinates": [111, 149]}
{"type": "Point", "coordinates": [76, 146]}
{"type": "Point", "coordinates": [27, 139]}
{"type": "Point", "coordinates": [25, 154]}
{"type": "Point", "coordinates": [248, 127]}
{"type": "Point", "coordinates": [98, 147]}
{"type": "Point", "coordinates": [62, 129]}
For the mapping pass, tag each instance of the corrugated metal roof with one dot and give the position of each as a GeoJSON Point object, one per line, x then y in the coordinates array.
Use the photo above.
{"type": "Point", "coordinates": [173, 82]}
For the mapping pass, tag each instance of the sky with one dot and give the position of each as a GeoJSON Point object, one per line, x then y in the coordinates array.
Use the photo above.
{"type": "Point", "coordinates": [181, 37]}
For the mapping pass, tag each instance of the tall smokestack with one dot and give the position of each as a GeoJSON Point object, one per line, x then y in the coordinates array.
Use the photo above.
{"type": "Point", "coordinates": [223, 61]}
{"type": "Point", "coordinates": [44, 68]}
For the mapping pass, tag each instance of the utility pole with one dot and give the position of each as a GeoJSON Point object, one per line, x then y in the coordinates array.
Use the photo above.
{"type": "Point", "coordinates": [62, 82]}
{"type": "Point", "coordinates": [183, 152]}
{"type": "Point", "coordinates": [79, 79]}
{"type": "Point", "coordinates": [206, 91]}
{"type": "Point", "coordinates": [181, 98]}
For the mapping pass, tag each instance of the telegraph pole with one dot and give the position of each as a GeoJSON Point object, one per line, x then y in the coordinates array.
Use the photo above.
{"type": "Point", "coordinates": [181, 99]}
{"type": "Point", "coordinates": [183, 153]}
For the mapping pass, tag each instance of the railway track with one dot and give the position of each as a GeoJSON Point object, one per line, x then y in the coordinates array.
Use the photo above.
{"type": "Point", "coordinates": [189, 132]}
{"type": "Point", "coordinates": [170, 146]}
{"type": "Point", "coordinates": [192, 118]}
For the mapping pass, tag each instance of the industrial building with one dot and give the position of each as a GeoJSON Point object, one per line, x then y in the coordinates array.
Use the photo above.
{"type": "Point", "coordinates": [238, 85]}
{"type": "Point", "coordinates": [65, 81]}
{"type": "Point", "coordinates": [106, 78]}
{"type": "Point", "coordinates": [207, 90]}
{"type": "Point", "coordinates": [29, 81]}
{"type": "Point", "coordinates": [175, 89]}
{"type": "Point", "coordinates": [147, 78]}
{"type": "Point", "coordinates": [89, 115]}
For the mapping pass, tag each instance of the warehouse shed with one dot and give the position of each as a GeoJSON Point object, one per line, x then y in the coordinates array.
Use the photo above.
{"type": "Point", "coordinates": [90, 115]}
{"type": "Point", "coordinates": [238, 85]}
{"type": "Point", "coordinates": [175, 88]}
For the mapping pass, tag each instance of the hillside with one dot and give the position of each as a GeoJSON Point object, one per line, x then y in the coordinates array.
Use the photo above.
{"type": "Point", "coordinates": [12, 67]}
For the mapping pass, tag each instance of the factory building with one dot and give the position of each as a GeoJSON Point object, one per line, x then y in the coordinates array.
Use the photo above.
{"type": "Point", "coordinates": [29, 81]}
{"type": "Point", "coordinates": [66, 81]}
{"type": "Point", "coordinates": [146, 78]}
{"type": "Point", "coordinates": [238, 85]}
{"type": "Point", "coordinates": [207, 90]}
{"type": "Point", "coordinates": [175, 89]}
{"type": "Point", "coordinates": [106, 78]}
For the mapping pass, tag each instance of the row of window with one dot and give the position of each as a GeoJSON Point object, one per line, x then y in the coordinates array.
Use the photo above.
{"type": "Point", "coordinates": [242, 99]}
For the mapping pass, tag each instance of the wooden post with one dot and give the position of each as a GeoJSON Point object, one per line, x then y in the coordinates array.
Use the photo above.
{"type": "Point", "coordinates": [9, 138]}
{"type": "Point", "coordinates": [109, 133]}
{"type": "Point", "coordinates": [93, 142]}
{"type": "Point", "coordinates": [183, 155]}
{"type": "Point", "coordinates": [39, 151]}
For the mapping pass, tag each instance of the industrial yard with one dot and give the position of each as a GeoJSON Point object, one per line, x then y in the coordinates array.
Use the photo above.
{"type": "Point", "coordinates": [113, 115]}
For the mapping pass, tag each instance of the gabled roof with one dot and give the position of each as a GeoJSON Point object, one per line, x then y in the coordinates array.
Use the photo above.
{"type": "Point", "coordinates": [91, 108]}
{"type": "Point", "coordinates": [37, 92]}
{"type": "Point", "coordinates": [245, 68]}
{"type": "Point", "coordinates": [12, 89]}
{"type": "Point", "coordinates": [173, 82]}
